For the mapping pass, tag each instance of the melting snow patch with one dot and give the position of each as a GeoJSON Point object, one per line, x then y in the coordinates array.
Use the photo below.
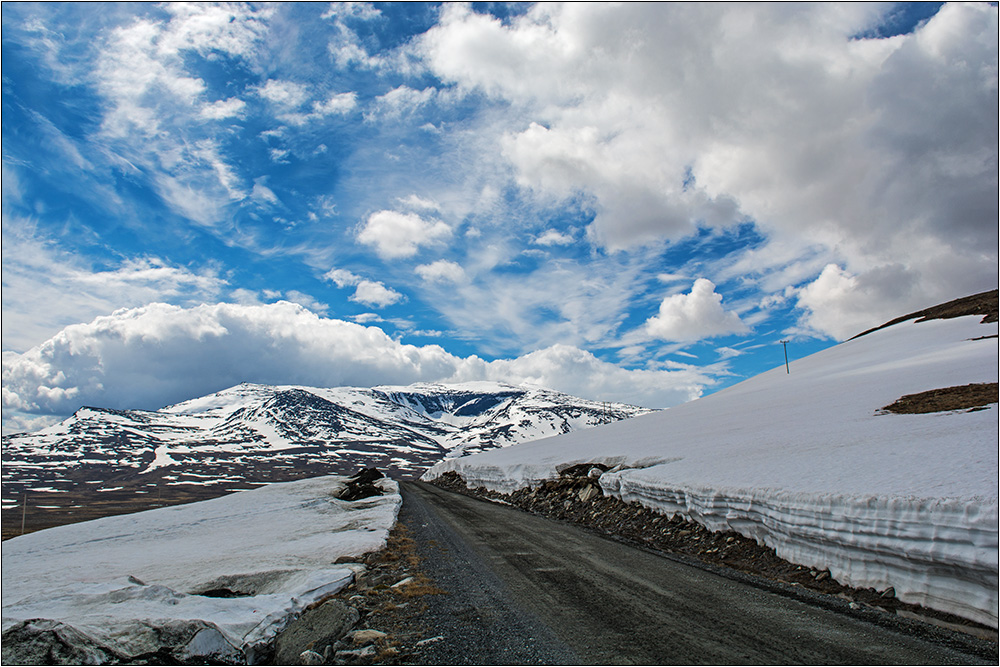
{"type": "Point", "coordinates": [138, 583]}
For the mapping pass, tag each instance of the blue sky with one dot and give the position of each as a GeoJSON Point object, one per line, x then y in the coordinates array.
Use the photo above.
{"type": "Point", "coordinates": [622, 202]}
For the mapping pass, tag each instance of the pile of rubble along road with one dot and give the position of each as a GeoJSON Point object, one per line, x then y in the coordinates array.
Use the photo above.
{"type": "Point", "coordinates": [576, 496]}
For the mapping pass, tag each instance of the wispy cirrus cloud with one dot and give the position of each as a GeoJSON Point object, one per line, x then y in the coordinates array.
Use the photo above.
{"type": "Point", "coordinates": [37, 271]}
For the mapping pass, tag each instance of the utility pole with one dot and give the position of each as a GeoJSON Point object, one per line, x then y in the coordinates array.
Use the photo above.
{"type": "Point", "coordinates": [784, 345]}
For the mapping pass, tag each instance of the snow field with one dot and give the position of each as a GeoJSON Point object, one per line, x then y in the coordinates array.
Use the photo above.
{"type": "Point", "coordinates": [804, 463]}
{"type": "Point", "coordinates": [122, 580]}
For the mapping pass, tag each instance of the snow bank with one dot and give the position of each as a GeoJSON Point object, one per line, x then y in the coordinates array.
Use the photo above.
{"type": "Point", "coordinates": [804, 463]}
{"type": "Point", "coordinates": [127, 581]}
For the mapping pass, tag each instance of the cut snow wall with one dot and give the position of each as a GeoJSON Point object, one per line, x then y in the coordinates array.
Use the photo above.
{"type": "Point", "coordinates": [941, 554]}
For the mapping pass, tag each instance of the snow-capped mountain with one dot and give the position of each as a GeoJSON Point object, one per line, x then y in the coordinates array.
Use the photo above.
{"type": "Point", "coordinates": [257, 433]}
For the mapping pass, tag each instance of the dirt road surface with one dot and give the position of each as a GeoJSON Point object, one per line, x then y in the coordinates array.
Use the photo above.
{"type": "Point", "coordinates": [523, 589]}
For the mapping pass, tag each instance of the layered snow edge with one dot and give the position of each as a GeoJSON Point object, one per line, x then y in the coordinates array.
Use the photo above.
{"type": "Point", "coordinates": [941, 554]}
{"type": "Point", "coordinates": [938, 553]}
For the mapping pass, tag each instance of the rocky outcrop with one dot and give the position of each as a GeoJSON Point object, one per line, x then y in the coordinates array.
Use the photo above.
{"type": "Point", "coordinates": [316, 631]}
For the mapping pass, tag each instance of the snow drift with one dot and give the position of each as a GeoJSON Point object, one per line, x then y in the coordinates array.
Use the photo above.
{"type": "Point", "coordinates": [808, 464]}
{"type": "Point", "coordinates": [123, 584]}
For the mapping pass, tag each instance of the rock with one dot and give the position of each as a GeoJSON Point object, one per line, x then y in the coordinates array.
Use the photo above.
{"type": "Point", "coordinates": [362, 485]}
{"type": "Point", "coordinates": [430, 640]}
{"type": "Point", "coordinates": [888, 593]}
{"type": "Point", "coordinates": [366, 636]}
{"type": "Point", "coordinates": [45, 642]}
{"type": "Point", "coordinates": [314, 630]}
{"type": "Point", "coordinates": [403, 582]}
{"type": "Point", "coordinates": [587, 492]}
{"type": "Point", "coordinates": [356, 653]}
{"type": "Point", "coordinates": [308, 657]}
{"type": "Point", "coordinates": [823, 576]}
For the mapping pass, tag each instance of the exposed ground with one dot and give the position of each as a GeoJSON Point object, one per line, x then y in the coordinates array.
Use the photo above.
{"type": "Point", "coordinates": [965, 397]}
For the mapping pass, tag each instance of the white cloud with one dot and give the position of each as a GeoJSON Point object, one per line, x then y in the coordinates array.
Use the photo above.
{"type": "Point", "coordinates": [364, 11]}
{"type": "Point", "coordinates": [220, 109]}
{"type": "Point", "coordinates": [727, 352]}
{"type": "Point", "coordinates": [694, 316]}
{"type": "Point", "coordinates": [441, 271]}
{"type": "Point", "coordinates": [373, 293]}
{"type": "Point", "coordinates": [159, 354]}
{"type": "Point", "coordinates": [399, 101]}
{"type": "Point", "coordinates": [868, 153]}
{"type": "Point", "coordinates": [418, 203]}
{"type": "Point", "coordinates": [396, 235]}
{"type": "Point", "coordinates": [342, 277]}
{"type": "Point", "coordinates": [580, 373]}
{"type": "Point", "coordinates": [156, 114]}
{"type": "Point", "coordinates": [37, 273]}
{"type": "Point", "coordinates": [554, 237]}
{"type": "Point", "coordinates": [263, 193]}
{"type": "Point", "coordinates": [336, 104]}
{"type": "Point", "coordinates": [368, 292]}
{"type": "Point", "coordinates": [307, 301]}
{"type": "Point", "coordinates": [285, 94]}
{"type": "Point", "coordinates": [840, 305]}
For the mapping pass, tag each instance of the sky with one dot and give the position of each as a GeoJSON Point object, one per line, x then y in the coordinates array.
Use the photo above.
{"type": "Point", "coordinates": [630, 202]}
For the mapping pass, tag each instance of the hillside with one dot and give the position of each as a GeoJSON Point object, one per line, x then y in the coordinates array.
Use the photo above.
{"type": "Point", "coordinates": [816, 464]}
{"type": "Point", "coordinates": [101, 461]}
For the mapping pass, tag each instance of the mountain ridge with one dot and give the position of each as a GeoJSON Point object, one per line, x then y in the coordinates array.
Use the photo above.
{"type": "Point", "coordinates": [251, 434]}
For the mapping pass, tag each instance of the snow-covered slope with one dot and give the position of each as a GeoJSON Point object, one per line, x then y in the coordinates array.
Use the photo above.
{"type": "Point", "coordinates": [261, 433]}
{"type": "Point", "coordinates": [131, 584]}
{"type": "Point", "coordinates": [807, 463]}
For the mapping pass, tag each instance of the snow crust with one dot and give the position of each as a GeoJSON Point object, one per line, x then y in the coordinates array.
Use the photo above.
{"type": "Point", "coordinates": [805, 463]}
{"type": "Point", "coordinates": [127, 580]}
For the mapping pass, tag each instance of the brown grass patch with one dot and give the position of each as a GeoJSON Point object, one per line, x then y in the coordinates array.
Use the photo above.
{"type": "Point", "coordinates": [965, 397]}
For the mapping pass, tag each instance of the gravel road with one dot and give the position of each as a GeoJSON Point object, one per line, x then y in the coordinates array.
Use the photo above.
{"type": "Point", "coordinates": [523, 589]}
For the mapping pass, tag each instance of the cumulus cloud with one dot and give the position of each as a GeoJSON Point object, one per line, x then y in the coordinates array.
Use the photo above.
{"type": "Point", "coordinates": [229, 108]}
{"type": "Point", "coordinates": [840, 304]}
{"type": "Point", "coordinates": [395, 235]}
{"type": "Point", "coordinates": [368, 292]}
{"type": "Point", "coordinates": [442, 270]}
{"type": "Point", "coordinates": [342, 277]}
{"type": "Point", "coordinates": [373, 293]}
{"type": "Point", "coordinates": [867, 152]}
{"type": "Point", "coordinates": [578, 372]}
{"type": "Point", "coordinates": [160, 354]}
{"type": "Point", "coordinates": [694, 316]}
